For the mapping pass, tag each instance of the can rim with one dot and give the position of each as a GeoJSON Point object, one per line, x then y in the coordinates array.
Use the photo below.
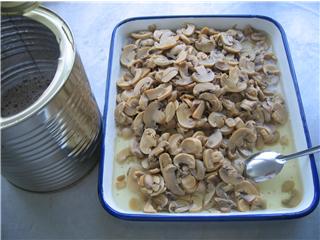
{"type": "Point", "coordinates": [65, 63]}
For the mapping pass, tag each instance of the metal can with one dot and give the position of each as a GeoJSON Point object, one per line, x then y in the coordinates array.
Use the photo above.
{"type": "Point", "coordinates": [50, 137]}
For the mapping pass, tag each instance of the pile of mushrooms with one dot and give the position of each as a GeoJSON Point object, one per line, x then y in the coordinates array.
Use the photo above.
{"type": "Point", "coordinates": [197, 102]}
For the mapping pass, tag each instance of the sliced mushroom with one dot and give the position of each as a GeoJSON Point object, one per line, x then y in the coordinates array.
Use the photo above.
{"type": "Point", "coordinates": [161, 92]}
{"type": "Point", "coordinates": [199, 171]}
{"type": "Point", "coordinates": [174, 143]}
{"type": "Point", "coordinates": [212, 159]}
{"type": "Point", "coordinates": [170, 179]}
{"type": "Point", "coordinates": [191, 145]}
{"type": "Point", "coordinates": [184, 159]}
{"type": "Point", "coordinates": [205, 45]}
{"type": "Point", "coordinates": [203, 74]}
{"type": "Point", "coordinates": [153, 115]}
{"type": "Point", "coordinates": [232, 83]}
{"type": "Point", "coordinates": [184, 116]}
{"type": "Point", "coordinates": [189, 30]}
{"type": "Point", "coordinates": [128, 55]}
{"type": "Point", "coordinates": [148, 140]}
{"type": "Point", "coordinates": [247, 66]}
{"type": "Point", "coordinates": [161, 61]}
{"type": "Point", "coordinates": [142, 85]}
{"type": "Point", "coordinates": [230, 175]}
{"type": "Point", "coordinates": [120, 116]}
{"type": "Point", "coordinates": [168, 74]}
{"type": "Point", "coordinates": [148, 208]}
{"type": "Point", "coordinates": [214, 139]}
{"type": "Point", "coordinates": [123, 155]}
{"type": "Point", "coordinates": [240, 136]}
{"type": "Point", "coordinates": [196, 205]}
{"type": "Point", "coordinates": [170, 111]}
{"type": "Point", "coordinates": [246, 187]}
{"type": "Point", "coordinates": [179, 206]}
{"type": "Point", "coordinates": [293, 200]}
{"type": "Point", "coordinates": [198, 112]}
{"type": "Point", "coordinates": [205, 87]}
{"type": "Point", "coordinates": [189, 183]}
{"type": "Point", "coordinates": [216, 120]}
{"type": "Point", "coordinates": [279, 113]}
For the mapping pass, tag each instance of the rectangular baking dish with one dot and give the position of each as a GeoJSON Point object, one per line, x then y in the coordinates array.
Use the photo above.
{"type": "Point", "coordinates": [291, 93]}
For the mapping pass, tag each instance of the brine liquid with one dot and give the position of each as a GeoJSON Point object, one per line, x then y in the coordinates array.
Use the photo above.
{"type": "Point", "coordinates": [270, 190]}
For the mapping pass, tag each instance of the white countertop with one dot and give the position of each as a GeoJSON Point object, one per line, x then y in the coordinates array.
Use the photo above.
{"type": "Point", "coordinates": [75, 212]}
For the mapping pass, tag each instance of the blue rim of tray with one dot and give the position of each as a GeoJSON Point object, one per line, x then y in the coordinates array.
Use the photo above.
{"type": "Point", "coordinates": [155, 217]}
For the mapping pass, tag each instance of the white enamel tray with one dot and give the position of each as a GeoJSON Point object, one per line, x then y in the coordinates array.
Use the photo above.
{"type": "Point", "coordinates": [291, 93]}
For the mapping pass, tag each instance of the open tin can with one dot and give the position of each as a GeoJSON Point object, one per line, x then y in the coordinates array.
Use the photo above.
{"type": "Point", "coordinates": [50, 122]}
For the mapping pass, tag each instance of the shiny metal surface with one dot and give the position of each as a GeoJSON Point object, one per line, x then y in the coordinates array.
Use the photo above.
{"type": "Point", "coordinates": [263, 166]}
{"type": "Point", "coordinates": [54, 141]}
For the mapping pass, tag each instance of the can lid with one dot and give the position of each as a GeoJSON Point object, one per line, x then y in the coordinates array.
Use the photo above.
{"type": "Point", "coordinates": [17, 8]}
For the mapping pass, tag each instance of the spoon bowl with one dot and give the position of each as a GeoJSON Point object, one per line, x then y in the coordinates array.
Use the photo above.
{"type": "Point", "coordinates": [263, 166]}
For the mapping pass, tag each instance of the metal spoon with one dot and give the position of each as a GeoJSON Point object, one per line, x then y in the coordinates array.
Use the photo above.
{"type": "Point", "coordinates": [263, 166]}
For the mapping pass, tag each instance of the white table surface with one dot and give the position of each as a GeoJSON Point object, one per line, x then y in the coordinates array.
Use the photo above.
{"type": "Point", "coordinates": [75, 213]}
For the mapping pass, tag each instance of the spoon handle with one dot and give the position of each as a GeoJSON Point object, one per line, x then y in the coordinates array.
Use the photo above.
{"type": "Point", "coordinates": [299, 154]}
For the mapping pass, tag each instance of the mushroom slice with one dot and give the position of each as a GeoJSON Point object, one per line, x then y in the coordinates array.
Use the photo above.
{"type": "Point", "coordinates": [279, 113]}
{"type": "Point", "coordinates": [166, 42]}
{"type": "Point", "coordinates": [184, 116]}
{"type": "Point", "coordinates": [197, 113]}
{"type": "Point", "coordinates": [214, 139]}
{"type": "Point", "coordinates": [191, 145]}
{"type": "Point", "coordinates": [153, 115]}
{"type": "Point", "coordinates": [137, 124]}
{"type": "Point", "coordinates": [120, 116]}
{"type": "Point", "coordinates": [248, 105]}
{"type": "Point", "coordinates": [247, 66]}
{"type": "Point", "coordinates": [148, 140]}
{"type": "Point", "coordinates": [128, 55]}
{"type": "Point", "coordinates": [164, 160]}
{"type": "Point", "coordinates": [205, 87]}
{"type": "Point", "coordinates": [170, 111]}
{"type": "Point", "coordinates": [230, 175]}
{"type": "Point", "coordinates": [225, 205]}
{"type": "Point", "coordinates": [143, 52]}
{"type": "Point", "coordinates": [168, 74]}
{"type": "Point", "coordinates": [142, 85]}
{"type": "Point", "coordinates": [293, 200]}
{"type": "Point", "coordinates": [148, 208]}
{"type": "Point", "coordinates": [179, 206]}
{"type": "Point", "coordinates": [235, 48]}
{"type": "Point", "coordinates": [181, 57]}
{"type": "Point", "coordinates": [161, 61]}
{"type": "Point", "coordinates": [123, 155]}
{"type": "Point", "coordinates": [161, 201]}
{"type": "Point", "coordinates": [174, 143]}
{"type": "Point", "coordinates": [240, 136]}
{"type": "Point", "coordinates": [203, 74]}
{"type": "Point", "coordinates": [199, 171]}
{"type": "Point", "coordinates": [222, 65]}
{"type": "Point", "coordinates": [232, 83]}
{"type": "Point", "coordinates": [203, 44]}
{"type": "Point", "coordinates": [196, 205]}
{"type": "Point", "coordinates": [161, 92]}
{"type": "Point", "coordinates": [189, 183]}
{"type": "Point", "coordinates": [214, 104]}
{"type": "Point", "coordinates": [169, 175]}
{"type": "Point", "coordinates": [141, 35]}
{"type": "Point", "coordinates": [188, 30]}
{"type": "Point", "coordinates": [212, 159]}
{"type": "Point", "coordinates": [246, 187]}
{"type": "Point", "coordinates": [157, 34]}
{"type": "Point", "coordinates": [226, 39]}
{"type": "Point", "coordinates": [216, 119]}
{"type": "Point", "coordinates": [270, 69]}
{"type": "Point", "coordinates": [184, 159]}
